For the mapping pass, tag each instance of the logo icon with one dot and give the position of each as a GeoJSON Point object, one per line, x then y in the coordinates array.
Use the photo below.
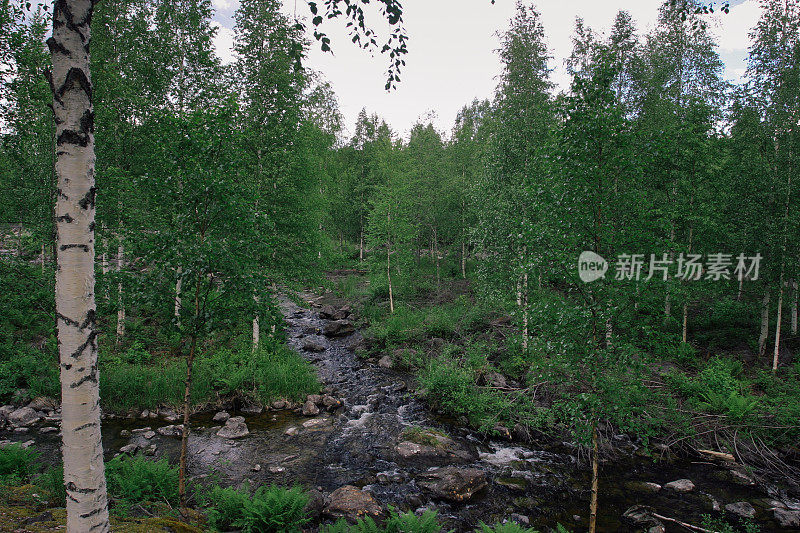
{"type": "Point", "coordinates": [591, 267]}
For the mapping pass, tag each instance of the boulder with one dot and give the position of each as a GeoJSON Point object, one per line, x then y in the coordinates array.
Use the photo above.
{"type": "Point", "coordinates": [130, 449]}
{"type": "Point", "coordinates": [680, 485]}
{"type": "Point", "coordinates": [495, 379]}
{"type": "Point", "coordinates": [326, 312]}
{"type": "Point", "coordinates": [352, 503]}
{"type": "Point", "coordinates": [24, 416]}
{"type": "Point", "coordinates": [222, 416]}
{"type": "Point", "coordinates": [251, 409]}
{"type": "Point", "coordinates": [41, 403]}
{"type": "Point", "coordinates": [330, 402]}
{"type": "Point", "coordinates": [453, 483]}
{"type": "Point", "coordinates": [234, 428]}
{"type": "Point", "coordinates": [741, 509]}
{"type": "Point", "coordinates": [171, 431]}
{"type": "Point", "coordinates": [787, 518]}
{"type": "Point", "coordinates": [310, 409]}
{"type": "Point", "coordinates": [168, 414]}
{"type": "Point", "coordinates": [311, 344]}
{"type": "Point", "coordinates": [279, 405]}
{"type": "Point", "coordinates": [386, 362]}
{"type": "Point", "coordinates": [338, 328]}
{"type": "Point", "coordinates": [315, 505]}
{"type": "Point", "coordinates": [149, 435]}
{"type": "Point", "coordinates": [150, 450]}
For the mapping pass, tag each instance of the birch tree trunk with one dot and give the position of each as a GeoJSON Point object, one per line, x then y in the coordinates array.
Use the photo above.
{"type": "Point", "coordinates": [776, 353]}
{"type": "Point", "coordinates": [82, 449]}
{"type": "Point", "coordinates": [762, 339]}
{"type": "Point", "coordinates": [389, 263]}
{"type": "Point", "coordinates": [795, 287]}
{"type": "Point", "coordinates": [463, 260]}
{"type": "Point", "coordinates": [685, 322]}
{"type": "Point", "coordinates": [256, 328]}
{"type": "Point", "coordinates": [178, 303]}
{"type": "Point", "coordinates": [120, 296]}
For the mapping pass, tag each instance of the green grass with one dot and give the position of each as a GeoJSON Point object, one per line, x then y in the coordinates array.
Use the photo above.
{"type": "Point", "coordinates": [273, 372]}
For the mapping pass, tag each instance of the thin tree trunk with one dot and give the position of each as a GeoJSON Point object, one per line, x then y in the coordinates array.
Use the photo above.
{"type": "Point", "coordinates": [776, 353]}
{"type": "Point", "coordinates": [525, 311]}
{"type": "Point", "coordinates": [463, 260]}
{"type": "Point", "coordinates": [436, 252]}
{"type": "Point", "coordinates": [609, 333]}
{"type": "Point", "coordinates": [120, 297]}
{"type": "Point", "coordinates": [42, 256]}
{"type": "Point", "coordinates": [19, 240]}
{"type": "Point", "coordinates": [741, 287]}
{"type": "Point", "coordinates": [685, 321]}
{"type": "Point", "coordinates": [256, 328]}
{"type": "Point", "coordinates": [794, 307]}
{"type": "Point", "coordinates": [82, 448]}
{"type": "Point", "coordinates": [361, 247]}
{"type": "Point", "coordinates": [762, 339]}
{"type": "Point", "coordinates": [178, 303]}
{"type": "Point", "coordinates": [389, 263]}
{"type": "Point", "coordinates": [595, 481]}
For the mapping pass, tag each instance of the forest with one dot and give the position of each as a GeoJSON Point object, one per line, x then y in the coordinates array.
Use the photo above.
{"type": "Point", "coordinates": [574, 310]}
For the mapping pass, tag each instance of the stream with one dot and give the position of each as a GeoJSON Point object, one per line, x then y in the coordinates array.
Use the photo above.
{"type": "Point", "coordinates": [357, 444]}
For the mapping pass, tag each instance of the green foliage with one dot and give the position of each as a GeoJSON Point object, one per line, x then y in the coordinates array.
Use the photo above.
{"type": "Point", "coordinates": [17, 463]}
{"type": "Point", "coordinates": [507, 527]}
{"type": "Point", "coordinates": [270, 509]}
{"type": "Point", "coordinates": [51, 485]}
{"type": "Point", "coordinates": [396, 523]}
{"type": "Point", "coordinates": [134, 480]}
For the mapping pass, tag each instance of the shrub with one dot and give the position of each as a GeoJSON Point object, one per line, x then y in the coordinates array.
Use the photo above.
{"type": "Point", "coordinates": [226, 506]}
{"type": "Point", "coordinates": [17, 463]}
{"type": "Point", "coordinates": [133, 480]}
{"type": "Point", "coordinates": [396, 523]}
{"type": "Point", "coordinates": [51, 484]}
{"type": "Point", "coordinates": [274, 510]}
{"type": "Point", "coordinates": [508, 527]}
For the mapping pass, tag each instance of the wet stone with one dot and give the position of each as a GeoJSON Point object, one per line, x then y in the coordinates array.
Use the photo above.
{"type": "Point", "coordinates": [352, 503]}
{"type": "Point", "coordinates": [741, 509]}
{"type": "Point", "coordinates": [680, 485]}
{"type": "Point", "coordinates": [234, 428]}
{"type": "Point", "coordinates": [452, 483]}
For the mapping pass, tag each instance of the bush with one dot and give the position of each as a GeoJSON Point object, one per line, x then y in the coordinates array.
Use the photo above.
{"type": "Point", "coordinates": [396, 523]}
{"type": "Point", "coordinates": [51, 485]}
{"type": "Point", "coordinates": [133, 480]}
{"type": "Point", "coordinates": [508, 527]}
{"type": "Point", "coordinates": [270, 509]}
{"type": "Point", "coordinates": [17, 463]}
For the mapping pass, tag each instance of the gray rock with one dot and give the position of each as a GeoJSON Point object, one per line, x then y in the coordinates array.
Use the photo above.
{"type": "Point", "coordinates": [222, 416]}
{"type": "Point", "coordinates": [314, 398]}
{"type": "Point", "coordinates": [149, 435]}
{"type": "Point", "coordinates": [279, 405]}
{"type": "Point", "coordinates": [49, 429]}
{"type": "Point", "coordinates": [386, 362]}
{"type": "Point", "coordinates": [495, 379]}
{"type": "Point", "coordinates": [234, 428]}
{"type": "Point", "coordinates": [169, 415]}
{"type": "Point", "coordinates": [141, 431]}
{"type": "Point", "coordinates": [315, 423]}
{"type": "Point", "coordinates": [338, 328]}
{"type": "Point", "coordinates": [315, 505]}
{"type": "Point", "coordinates": [21, 430]}
{"type": "Point", "coordinates": [252, 409]}
{"type": "Point", "coordinates": [787, 518]}
{"type": "Point", "coordinates": [330, 402]}
{"type": "Point", "coordinates": [352, 503]}
{"type": "Point", "coordinates": [520, 519]}
{"type": "Point", "coordinates": [292, 431]}
{"type": "Point", "coordinates": [28, 444]}
{"type": "Point", "coordinates": [124, 434]}
{"type": "Point", "coordinates": [453, 483]}
{"type": "Point", "coordinates": [41, 403]}
{"type": "Point", "coordinates": [741, 509]}
{"type": "Point", "coordinates": [171, 431]}
{"type": "Point", "coordinates": [310, 344]}
{"type": "Point", "coordinates": [24, 416]}
{"type": "Point", "coordinates": [256, 468]}
{"type": "Point", "coordinates": [310, 409]}
{"type": "Point", "coordinates": [150, 450]}
{"type": "Point", "coordinates": [680, 485]}
{"type": "Point", "coordinates": [130, 449]}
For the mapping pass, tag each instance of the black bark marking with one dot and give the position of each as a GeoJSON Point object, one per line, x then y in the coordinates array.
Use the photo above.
{"type": "Point", "coordinates": [55, 47]}
{"type": "Point", "coordinates": [72, 487]}
{"type": "Point", "coordinates": [83, 247]}
{"type": "Point", "coordinates": [91, 227]}
{"type": "Point", "coordinates": [65, 218]}
{"type": "Point", "coordinates": [68, 320]}
{"type": "Point", "coordinates": [73, 137]}
{"type": "Point", "coordinates": [61, 194]}
{"type": "Point", "coordinates": [89, 342]}
{"type": "Point", "coordinates": [91, 317]}
{"type": "Point", "coordinates": [88, 200]}
{"type": "Point", "coordinates": [87, 121]}
{"type": "Point", "coordinates": [85, 426]}
{"type": "Point", "coordinates": [76, 77]}
{"type": "Point", "coordinates": [67, 366]}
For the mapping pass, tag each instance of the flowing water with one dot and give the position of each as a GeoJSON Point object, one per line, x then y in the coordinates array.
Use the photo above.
{"type": "Point", "coordinates": [356, 445]}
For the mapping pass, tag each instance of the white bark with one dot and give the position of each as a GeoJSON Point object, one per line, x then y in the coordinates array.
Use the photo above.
{"type": "Point", "coordinates": [762, 339]}
{"type": "Point", "coordinates": [794, 308]}
{"type": "Point", "coordinates": [120, 296]}
{"type": "Point", "coordinates": [776, 353]}
{"type": "Point", "coordinates": [256, 328]}
{"type": "Point", "coordinates": [82, 449]}
{"type": "Point", "coordinates": [178, 303]}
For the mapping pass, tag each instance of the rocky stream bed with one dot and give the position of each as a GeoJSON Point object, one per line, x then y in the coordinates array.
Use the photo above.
{"type": "Point", "coordinates": [368, 443]}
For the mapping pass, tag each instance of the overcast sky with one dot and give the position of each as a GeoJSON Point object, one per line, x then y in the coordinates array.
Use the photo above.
{"type": "Point", "coordinates": [452, 57]}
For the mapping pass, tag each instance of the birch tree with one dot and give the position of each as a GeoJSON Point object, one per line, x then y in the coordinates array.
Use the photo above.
{"type": "Point", "coordinates": [82, 448]}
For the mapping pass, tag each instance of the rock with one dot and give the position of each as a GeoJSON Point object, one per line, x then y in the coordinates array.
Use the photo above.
{"type": "Point", "coordinates": [326, 312]}
{"type": "Point", "coordinates": [279, 405]}
{"type": "Point", "coordinates": [680, 485]}
{"type": "Point", "coordinates": [711, 502]}
{"type": "Point", "coordinates": [310, 409]}
{"type": "Point", "coordinates": [787, 518]}
{"type": "Point", "coordinates": [145, 414]}
{"type": "Point", "coordinates": [314, 398]}
{"type": "Point", "coordinates": [452, 483]}
{"type": "Point", "coordinates": [385, 362]}
{"type": "Point", "coordinates": [46, 516]}
{"type": "Point", "coordinates": [310, 344]}
{"type": "Point", "coordinates": [21, 430]}
{"type": "Point", "coordinates": [130, 449]}
{"type": "Point", "coordinates": [171, 431]}
{"type": "Point", "coordinates": [5, 411]}
{"type": "Point", "coordinates": [502, 432]}
{"type": "Point", "coordinates": [520, 519]}
{"type": "Point", "coordinates": [315, 505]}
{"type": "Point", "coordinates": [149, 435]}
{"type": "Point", "coordinates": [234, 428]}
{"type": "Point", "coordinates": [642, 515]}
{"type": "Point", "coordinates": [141, 431]}
{"type": "Point", "coordinates": [27, 444]}
{"type": "Point", "coordinates": [338, 328]}
{"type": "Point", "coordinates": [401, 354]}
{"type": "Point", "coordinates": [150, 450]}
{"type": "Point", "coordinates": [41, 403]}
{"type": "Point", "coordinates": [276, 470]}
{"type": "Point", "coordinates": [741, 509]}
{"type": "Point", "coordinates": [251, 409]}
{"type": "Point", "coordinates": [330, 402]}
{"type": "Point", "coordinates": [152, 415]}
{"type": "Point", "coordinates": [351, 503]}
{"type": "Point", "coordinates": [642, 486]}
{"type": "Point", "coordinates": [256, 468]}
{"type": "Point", "coordinates": [169, 415]}
{"type": "Point", "coordinates": [495, 379]}
{"type": "Point", "coordinates": [49, 429]}
{"type": "Point", "coordinates": [315, 423]}
{"type": "Point", "coordinates": [24, 416]}
{"type": "Point", "coordinates": [500, 322]}
{"type": "Point", "coordinates": [124, 434]}
{"type": "Point", "coordinates": [222, 416]}
{"type": "Point", "coordinates": [739, 476]}
{"type": "Point", "coordinates": [291, 431]}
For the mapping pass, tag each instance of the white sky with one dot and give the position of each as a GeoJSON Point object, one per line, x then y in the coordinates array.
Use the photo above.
{"type": "Point", "coordinates": [452, 57]}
